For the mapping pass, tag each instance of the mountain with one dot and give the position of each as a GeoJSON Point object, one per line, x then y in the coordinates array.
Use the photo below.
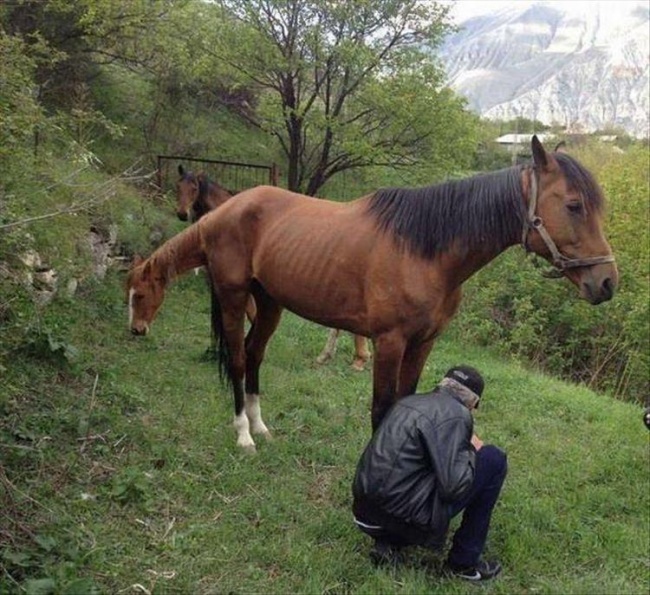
{"type": "Point", "coordinates": [584, 69]}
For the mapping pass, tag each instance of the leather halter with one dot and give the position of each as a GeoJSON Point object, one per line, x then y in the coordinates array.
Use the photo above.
{"type": "Point", "coordinates": [534, 222]}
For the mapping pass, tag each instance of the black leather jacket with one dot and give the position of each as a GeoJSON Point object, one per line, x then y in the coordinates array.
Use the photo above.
{"type": "Point", "coordinates": [418, 462]}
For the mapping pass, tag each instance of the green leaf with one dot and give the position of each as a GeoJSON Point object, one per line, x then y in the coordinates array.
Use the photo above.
{"type": "Point", "coordinates": [41, 586]}
{"type": "Point", "coordinates": [46, 542]}
{"type": "Point", "coordinates": [81, 586]}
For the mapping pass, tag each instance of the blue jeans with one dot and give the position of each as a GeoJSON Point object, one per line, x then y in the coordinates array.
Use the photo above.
{"type": "Point", "coordinates": [469, 540]}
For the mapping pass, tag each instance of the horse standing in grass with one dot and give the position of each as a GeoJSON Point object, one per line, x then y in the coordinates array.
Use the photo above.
{"type": "Point", "coordinates": [388, 266]}
{"type": "Point", "coordinates": [197, 195]}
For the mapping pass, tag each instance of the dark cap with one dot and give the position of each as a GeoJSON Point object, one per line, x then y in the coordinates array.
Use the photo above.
{"type": "Point", "coordinates": [467, 376]}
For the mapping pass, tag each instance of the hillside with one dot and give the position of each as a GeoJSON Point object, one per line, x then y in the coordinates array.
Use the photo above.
{"type": "Point", "coordinates": [120, 471]}
{"type": "Point", "coordinates": [585, 70]}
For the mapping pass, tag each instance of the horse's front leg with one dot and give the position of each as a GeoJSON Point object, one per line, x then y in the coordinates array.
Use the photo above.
{"type": "Point", "coordinates": [388, 354]}
{"type": "Point", "coordinates": [415, 357]}
{"type": "Point", "coordinates": [266, 321]}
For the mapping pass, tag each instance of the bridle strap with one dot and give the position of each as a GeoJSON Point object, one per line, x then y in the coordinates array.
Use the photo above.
{"type": "Point", "coordinates": [560, 262]}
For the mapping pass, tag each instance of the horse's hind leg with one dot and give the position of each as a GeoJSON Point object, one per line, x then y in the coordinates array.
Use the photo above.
{"type": "Point", "coordinates": [361, 352]}
{"type": "Point", "coordinates": [266, 321]}
{"type": "Point", "coordinates": [330, 347]}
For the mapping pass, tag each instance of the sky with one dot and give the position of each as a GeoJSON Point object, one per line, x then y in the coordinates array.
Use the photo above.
{"type": "Point", "coordinates": [464, 9]}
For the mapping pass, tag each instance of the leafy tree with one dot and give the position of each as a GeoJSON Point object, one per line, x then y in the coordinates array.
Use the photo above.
{"type": "Point", "coordinates": [342, 85]}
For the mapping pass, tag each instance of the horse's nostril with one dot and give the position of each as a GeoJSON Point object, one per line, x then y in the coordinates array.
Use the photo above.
{"type": "Point", "coordinates": [608, 288]}
{"type": "Point", "coordinates": [182, 216]}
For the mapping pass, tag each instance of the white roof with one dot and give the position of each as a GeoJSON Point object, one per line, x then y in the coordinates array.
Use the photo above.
{"type": "Point", "coordinates": [520, 139]}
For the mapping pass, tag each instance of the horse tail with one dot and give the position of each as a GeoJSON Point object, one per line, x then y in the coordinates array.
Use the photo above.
{"type": "Point", "coordinates": [224, 358]}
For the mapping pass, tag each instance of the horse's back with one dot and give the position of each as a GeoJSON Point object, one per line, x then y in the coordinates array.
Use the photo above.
{"type": "Point", "coordinates": [266, 206]}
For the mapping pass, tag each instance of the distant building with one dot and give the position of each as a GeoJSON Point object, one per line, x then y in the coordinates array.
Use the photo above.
{"type": "Point", "coordinates": [519, 144]}
{"type": "Point", "coordinates": [511, 140]}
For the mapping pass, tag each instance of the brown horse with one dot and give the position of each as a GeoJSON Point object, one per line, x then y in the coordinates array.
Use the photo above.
{"type": "Point", "coordinates": [197, 195]}
{"type": "Point", "coordinates": [388, 266]}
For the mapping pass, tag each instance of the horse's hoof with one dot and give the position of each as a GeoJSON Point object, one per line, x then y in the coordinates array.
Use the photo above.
{"type": "Point", "coordinates": [268, 436]}
{"type": "Point", "coordinates": [249, 449]}
{"type": "Point", "coordinates": [358, 365]}
{"type": "Point", "coordinates": [321, 359]}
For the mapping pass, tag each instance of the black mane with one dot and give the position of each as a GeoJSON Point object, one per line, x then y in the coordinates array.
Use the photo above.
{"type": "Point", "coordinates": [200, 206]}
{"type": "Point", "coordinates": [484, 208]}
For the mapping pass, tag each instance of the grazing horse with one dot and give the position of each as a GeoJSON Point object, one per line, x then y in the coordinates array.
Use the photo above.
{"type": "Point", "coordinates": [388, 266]}
{"type": "Point", "coordinates": [197, 195]}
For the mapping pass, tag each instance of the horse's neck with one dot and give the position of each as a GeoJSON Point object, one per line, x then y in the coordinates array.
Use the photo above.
{"type": "Point", "coordinates": [465, 262]}
{"type": "Point", "coordinates": [216, 196]}
{"type": "Point", "coordinates": [180, 254]}
{"type": "Point", "coordinates": [211, 196]}
{"type": "Point", "coordinates": [462, 265]}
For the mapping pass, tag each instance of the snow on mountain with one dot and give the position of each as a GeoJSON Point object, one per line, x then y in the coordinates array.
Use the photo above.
{"type": "Point", "coordinates": [583, 65]}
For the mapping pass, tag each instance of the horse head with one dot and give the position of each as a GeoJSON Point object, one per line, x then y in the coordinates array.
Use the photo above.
{"type": "Point", "coordinates": [187, 191]}
{"type": "Point", "coordinates": [145, 291]}
{"type": "Point", "coordinates": [565, 223]}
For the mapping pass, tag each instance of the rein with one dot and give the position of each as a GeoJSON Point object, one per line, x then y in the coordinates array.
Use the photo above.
{"type": "Point", "coordinates": [535, 222]}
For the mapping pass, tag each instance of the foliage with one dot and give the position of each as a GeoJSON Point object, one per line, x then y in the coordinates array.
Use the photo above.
{"type": "Point", "coordinates": [343, 85]}
{"type": "Point", "coordinates": [521, 125]}
{"type": "Point", "coordinates": [44, 231]}
{"type": "Point", "coordinates": [20, 111]}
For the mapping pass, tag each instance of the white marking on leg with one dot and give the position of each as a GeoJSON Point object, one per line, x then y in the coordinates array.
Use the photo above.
{"type": "Point", "coordinates": [254, 413]}
{"type": "Point", "coordinates": [330, 347]}
{"type": "Point", "coordinates": [244, 438]}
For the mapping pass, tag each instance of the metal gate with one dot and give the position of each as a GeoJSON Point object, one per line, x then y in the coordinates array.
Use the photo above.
{"type": "Point", "coordinates": [232, 175]}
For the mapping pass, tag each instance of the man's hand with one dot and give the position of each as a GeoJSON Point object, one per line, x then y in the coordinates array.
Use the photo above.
{"type": "Point", "coordinates": [477, 443]}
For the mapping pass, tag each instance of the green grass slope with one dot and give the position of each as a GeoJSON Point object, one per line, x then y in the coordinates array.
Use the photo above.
{"type": "Point", "coordinates": [119, 470]}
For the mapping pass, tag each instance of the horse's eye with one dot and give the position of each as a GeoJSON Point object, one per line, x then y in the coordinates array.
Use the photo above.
{"type": "Point", "coordinates": [575, 208]}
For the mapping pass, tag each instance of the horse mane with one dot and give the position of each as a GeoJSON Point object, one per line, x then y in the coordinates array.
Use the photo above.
{"type": "Point", "coordinates": [581, 180]}
{"type": "Point", "coordinates": [201, 206]}
{"type": "Point", "coordinates": [426, 221]}
{"type": "Point", "coordinates": [165, 258]}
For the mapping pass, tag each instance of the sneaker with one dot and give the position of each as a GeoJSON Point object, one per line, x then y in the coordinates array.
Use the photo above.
{"type": "Point", "coordinates": [484, 570]}
{"type": "Point", "coordinates": [385, 554]}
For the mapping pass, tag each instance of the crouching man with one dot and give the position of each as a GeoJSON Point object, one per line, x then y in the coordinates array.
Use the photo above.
{"type": "Point", "coordinates": [423, 466]}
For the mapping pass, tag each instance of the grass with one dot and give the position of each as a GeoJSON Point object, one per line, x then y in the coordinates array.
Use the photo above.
{"type": "Point", "coordinates": [120, 474]}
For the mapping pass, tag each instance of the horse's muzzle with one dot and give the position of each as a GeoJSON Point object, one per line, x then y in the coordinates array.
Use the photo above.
{"type": "Point", "coordinates": [597, 294]}
{"type": "Point", "coordinates": [139, 330]}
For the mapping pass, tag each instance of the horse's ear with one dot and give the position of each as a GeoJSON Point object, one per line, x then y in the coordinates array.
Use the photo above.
{"type": "Point", "coordinates": [181, 170]}
{"type": "Point", "coordinates": [560, 147]}
{"type": "Point", "coordinates": [542, 159]}
{"type": "Point", "coordinates": [146, 270]}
